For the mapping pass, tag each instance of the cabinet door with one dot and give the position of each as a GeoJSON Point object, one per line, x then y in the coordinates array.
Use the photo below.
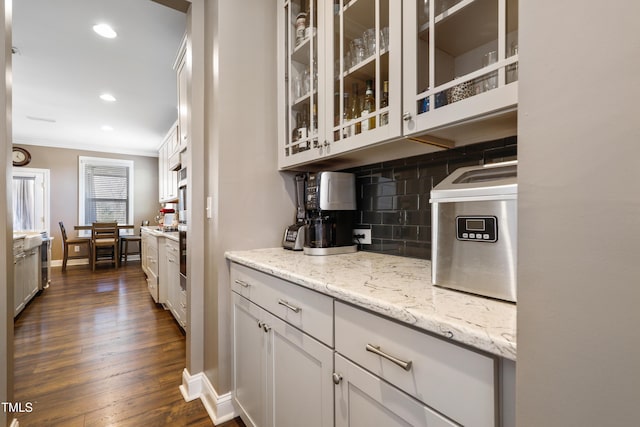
{"type": "Point", "coordinates": [162, 173]}
{"type": "Point", "coordinates": [19, 279]}
{"type": "Point", "coordinates": [364, 65]}
{"type": "Point", "coordinates": [249, 362]}
{"type": "Point", "coordinates": [299, 378]}
{"type": "Point", "coordinates": [32, 277]}
{"type": "Point", "coordinates": [364, 400]}
{"type": "Point", "coordinates": [173, 281]}
{"type": "Point", "coordinates": [301, 98]}
{"type": "Point", "coordinates": [460, 63]}
{"type": "Point", "coordinates": [183, 100]}
{"type": "Point", "coordinates": [144, 253]}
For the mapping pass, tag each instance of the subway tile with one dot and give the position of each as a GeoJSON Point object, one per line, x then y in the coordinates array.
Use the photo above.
{"type": "Point", "coordinates": [395, 217]}
{"type": "Point", "coordinates": [371, 217]}
{"type": "Point", "coordinates": [408, 202]}
{"type": "Point", "coordinates": [405, 173]}
{"type": "Point", "coordinates": [383, 203]}
{"type": "Point", "coordinates": [417, 250]}
{"type": "Point", "coordinates": [381, 232]}
{"type": "Point", "coordinates": [418, 217]}
{"type": "Point", "coordinates": [412, 186]}
{"type": "Point", "coordinates": [405, 232]}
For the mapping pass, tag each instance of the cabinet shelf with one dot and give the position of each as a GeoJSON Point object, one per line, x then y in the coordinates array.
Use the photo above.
{"type": "Point", "coordinates": [300, 53]}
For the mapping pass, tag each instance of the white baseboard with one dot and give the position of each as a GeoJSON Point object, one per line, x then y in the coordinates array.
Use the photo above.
{"type": "Point", "coordinates": [219, 407]}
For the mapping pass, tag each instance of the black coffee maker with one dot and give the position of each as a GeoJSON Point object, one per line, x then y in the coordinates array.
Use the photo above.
{"type": "Point", "coordinates": [330, 204]}
{"type": "Point", "coordinates": [294, 234]}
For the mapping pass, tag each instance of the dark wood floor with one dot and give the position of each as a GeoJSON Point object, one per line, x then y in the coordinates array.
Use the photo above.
{"type": "Point", "coordinates": [95, 350]}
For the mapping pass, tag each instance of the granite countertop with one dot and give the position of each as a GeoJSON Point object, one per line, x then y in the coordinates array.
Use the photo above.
{"type": "Point", "coordinates": [399, 288]}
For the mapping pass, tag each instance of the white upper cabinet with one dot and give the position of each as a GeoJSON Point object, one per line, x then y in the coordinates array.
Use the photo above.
{"type": "Point", "coordinates": [460, 69]}
{"type": "Point", "coordinates": [362, 81]}
{"type": "Point", "coordinates": [301, 97]}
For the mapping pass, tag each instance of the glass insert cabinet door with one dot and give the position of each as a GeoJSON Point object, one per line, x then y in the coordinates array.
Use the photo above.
{"type": "Point", "coordinates": [460, 60]}
{"type": "Point", "coordinates": [301, 44]}
{"type": "Point", "coordinates": [365, 69]}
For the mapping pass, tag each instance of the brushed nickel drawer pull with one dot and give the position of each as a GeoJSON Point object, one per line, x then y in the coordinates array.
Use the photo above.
{"type": "Point", "coordinates": [243, 284]}
{"type": "Point", "coordinates": [289, 306]}
{"type": "Point", "coordinates": [376, 350]}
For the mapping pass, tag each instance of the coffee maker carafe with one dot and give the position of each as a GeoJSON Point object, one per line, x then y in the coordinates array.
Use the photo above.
{"type": "Point", "coordinates": [330, 203]}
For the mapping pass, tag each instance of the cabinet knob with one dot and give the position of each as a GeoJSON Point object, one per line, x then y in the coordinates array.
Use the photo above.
{"type": "Point", "coordinates": [326, 143]}
{"type": "Point", "coordinates": [406, 116]}
{"type": "Point", "coordinates": [266, 327]}
{"type": "Point", "coordinates": [337, 378]}
{"type": "Point", "coordinates": [260, 324]}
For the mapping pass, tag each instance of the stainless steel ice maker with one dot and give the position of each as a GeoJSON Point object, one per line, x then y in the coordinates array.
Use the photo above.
{"type": "Point", "coordinates": [474, 231]}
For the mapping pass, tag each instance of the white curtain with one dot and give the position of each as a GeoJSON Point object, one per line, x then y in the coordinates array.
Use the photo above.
{"type": "Point", "coordinates": [24, 203]}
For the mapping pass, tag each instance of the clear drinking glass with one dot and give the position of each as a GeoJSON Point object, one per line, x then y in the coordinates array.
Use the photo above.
{"type": "Point", "coordinates": [357, 50]}
{"type": "Point", "coordinates": [369, 37]}
{"type": "Point", "coordinates": [491, 82]}
{"type": "Point", "coordinates": [384, 38]}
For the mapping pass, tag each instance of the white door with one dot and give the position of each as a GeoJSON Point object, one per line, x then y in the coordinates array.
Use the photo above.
{"type": "Point", "coordinates": [30, 199]}
{"type": "Point", "coordinates": [299, 376]}
{"type": "Point", "coordinates": [249, 363]}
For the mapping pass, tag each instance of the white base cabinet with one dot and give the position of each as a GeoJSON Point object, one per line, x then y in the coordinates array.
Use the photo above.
{"type": "Point", "coordinates": [149, 248]}
{"type": "Point", "coordinates": [170, 283]}
{"type": "Point", "coordinates": [282, 376]}
{"type": "Point", "coordinates": [286, 371]}
{"type": "Point", "coordinates": [26, 276]}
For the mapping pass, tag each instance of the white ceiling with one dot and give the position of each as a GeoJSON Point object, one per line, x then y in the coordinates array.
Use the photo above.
{"type": "Point", "coordinates": [62, 67]}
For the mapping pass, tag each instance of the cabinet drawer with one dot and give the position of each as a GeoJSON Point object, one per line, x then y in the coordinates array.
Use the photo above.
{"type": "Point", "coordinates": [303, 308]}
{"type": "Point", "coordinates": [453, 380]}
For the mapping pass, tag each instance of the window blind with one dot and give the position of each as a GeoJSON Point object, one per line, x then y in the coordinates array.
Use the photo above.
{"type": "Point", "coordinates": [106, 193]}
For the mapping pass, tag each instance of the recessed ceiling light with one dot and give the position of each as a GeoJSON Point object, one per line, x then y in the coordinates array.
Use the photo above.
{"type": "Point", "coordinates": [106, 128]}
{"type": "Point", "coordinates": [105, 30]}
{"type": "Point", "coordinates": [107, 97]}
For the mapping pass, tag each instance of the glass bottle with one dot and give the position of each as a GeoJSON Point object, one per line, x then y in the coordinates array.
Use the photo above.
{"type": "Point", "coordinates": [369, 107]}
{"type": "Point", "coordinates": [346, 118]}
{"type": "Point", "coordinates": [384, 102]}
{"type": "Point", "coordinates": [314, 120]}
{"type": "Point", "coordinates": [355, 109]}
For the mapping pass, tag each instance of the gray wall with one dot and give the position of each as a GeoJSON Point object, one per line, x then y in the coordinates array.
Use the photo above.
{"type": "Point", "coordinates": [579, 214]}
{"type": "Point", "coordinates": [252, 201]}
{"type": "Point", "coordinates": [63, 166]}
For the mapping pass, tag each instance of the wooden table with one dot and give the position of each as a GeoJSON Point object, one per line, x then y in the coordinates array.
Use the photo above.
{"type": "Point", "coordinates": [119, 226]}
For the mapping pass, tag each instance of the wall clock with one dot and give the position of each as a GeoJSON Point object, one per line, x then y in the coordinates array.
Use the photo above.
{"type": "Point", "coordinates": [21, 157]}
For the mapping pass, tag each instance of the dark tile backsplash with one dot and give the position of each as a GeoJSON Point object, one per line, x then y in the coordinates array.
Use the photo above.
{"type": "Point", "coordinates": [393, 197]}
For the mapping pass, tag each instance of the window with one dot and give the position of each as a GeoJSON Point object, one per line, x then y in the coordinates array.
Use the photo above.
{"type": "Point", "coordinates": [105, 190]}
{"type": "Point", "coordinates": [30, 191]}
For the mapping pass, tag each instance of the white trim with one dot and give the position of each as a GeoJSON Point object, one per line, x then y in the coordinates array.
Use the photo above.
{"type": "Point", "coordinates": [84, 160]}
{"type": "Point", "coordinates": [14, 423]}
{"type": "Point", "coordinates": [219, 407]}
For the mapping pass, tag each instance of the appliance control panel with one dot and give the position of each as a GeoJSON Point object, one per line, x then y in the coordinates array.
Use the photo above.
{"type": "Point", "coordinates": [477, 228]}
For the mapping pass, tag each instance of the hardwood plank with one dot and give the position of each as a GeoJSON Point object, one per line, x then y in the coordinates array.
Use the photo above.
{"type": "Point", "coordinates": [95, 350]}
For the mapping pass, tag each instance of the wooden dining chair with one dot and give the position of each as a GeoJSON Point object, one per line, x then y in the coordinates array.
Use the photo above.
{"type": "Point", "coordinates": [74, 241]}
{"type": "Point", "coordinates": [104, 239]}
{"type": "Point", "coordinates": [126, 249]}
